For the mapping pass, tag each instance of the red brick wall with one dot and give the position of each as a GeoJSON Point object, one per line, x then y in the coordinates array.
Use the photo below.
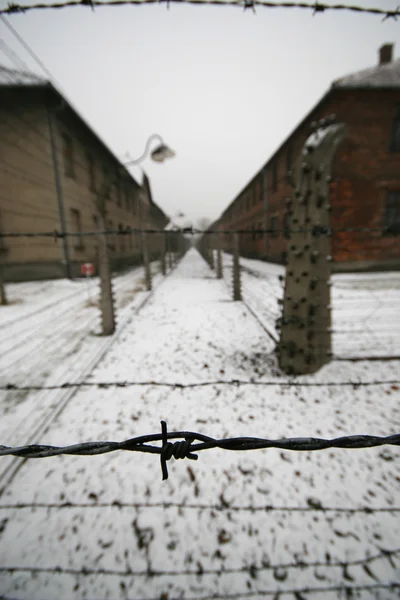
{"type": "Point", "coordinates": [363, 171]}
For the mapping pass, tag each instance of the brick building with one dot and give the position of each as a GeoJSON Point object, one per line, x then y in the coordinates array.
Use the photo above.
{"type": "Point", "coordinates": [365, 188]}
{"type": "Point", "coordinates": [53, 168]}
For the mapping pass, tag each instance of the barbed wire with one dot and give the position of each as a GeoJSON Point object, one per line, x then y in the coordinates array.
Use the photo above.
{"type": "Point", "coordinates": [200, 571]}
{"type": "Point", "coordinates": [315, 230]}
{"type": "Point", "coordinates": [10, 387]}
{"type": "Point", "coordinates": [315, 7]}
{"type": "Point", "coordinates": [187, 448]}
{"type": "Point", "coordinates": [314, 506]}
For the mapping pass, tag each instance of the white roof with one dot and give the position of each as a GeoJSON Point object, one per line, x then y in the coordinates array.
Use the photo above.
{"type": "Point", "coordinates": [14, 77]}
{"type": "Point", "coordinates": [386, 75]}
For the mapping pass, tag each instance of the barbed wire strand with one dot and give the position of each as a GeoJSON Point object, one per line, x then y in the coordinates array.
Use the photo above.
{"type": "Point", "coordinates": [202, 572]}
{"type": "Point", "coordinates": [315, 7]}
{"type": "Point", "coordinates": [315, 506]}
{"type": "Point", "coordinates": [10, 387]}
{"type": "Point", "coordinates": [187, 448]}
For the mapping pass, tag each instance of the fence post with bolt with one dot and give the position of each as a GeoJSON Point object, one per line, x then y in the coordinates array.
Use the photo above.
{"type": "Point", "coordinates": [106, 291]}
{"type": "Point", "coordinates": [237, 290]}
{"type": "Point", "coordinates": [305, 337]}
{"type": "Point", "coordinates": [146, 261]}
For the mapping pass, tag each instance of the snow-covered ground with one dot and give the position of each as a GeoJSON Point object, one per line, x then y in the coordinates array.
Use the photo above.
{"type": "Point", "coordinates": [107, 526]}
{"type": "Point", "coordinates": [365, 306]}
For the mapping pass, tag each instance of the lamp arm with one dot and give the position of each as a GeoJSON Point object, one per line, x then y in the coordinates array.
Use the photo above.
{"type": "Point", "coordinates": [154, 136]}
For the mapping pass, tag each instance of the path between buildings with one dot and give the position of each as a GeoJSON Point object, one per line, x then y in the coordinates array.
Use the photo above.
{"type": "Point", "coordinates": [190, 331]}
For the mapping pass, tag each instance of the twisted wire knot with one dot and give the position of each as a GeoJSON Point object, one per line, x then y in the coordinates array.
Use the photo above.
{"type": "Point", "coordinates": [176, 450]}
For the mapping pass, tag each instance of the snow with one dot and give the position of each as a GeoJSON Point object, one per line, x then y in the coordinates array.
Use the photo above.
{"type": "Point", "coordinates": [189, 331]}
{"type": "Point", "coordinates": [14, 77]}
{"type": "Point", "coordinates": [386, 75]}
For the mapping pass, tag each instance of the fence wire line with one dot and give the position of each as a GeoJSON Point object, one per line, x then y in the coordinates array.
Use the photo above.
{"type": "Point", "coordinates": [186, 449]}
{"type": "Point", "coordinates": [11, 387]}
{"type": "Point", "coordinates": [200, 571]}
{"type": "Point", "coordinates": [314, 506]}
{"type": "Point", "coordinates": [316, 230]}
{"type": "Point", "coordinates": [315, 7]}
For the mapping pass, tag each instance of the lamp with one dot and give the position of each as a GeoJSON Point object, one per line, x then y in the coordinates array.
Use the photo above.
{"type": "Point", "coordinates": [159, 154]}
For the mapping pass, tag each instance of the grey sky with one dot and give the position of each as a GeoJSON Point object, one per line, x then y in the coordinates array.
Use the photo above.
{"type": "Point", "coordinates": [222, 86]}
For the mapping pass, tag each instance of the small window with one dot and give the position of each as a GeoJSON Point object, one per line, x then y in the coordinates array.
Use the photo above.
{"type": "Point", "coordinates": [391, 221]}
{"type": "Point", "coordinates": [287, 226]}
{"type": "Point", "coordinates": [106, 183]}
{"type": "Point", "coordinates": [127, 196]}
{"type": "Point", "coordinates": [76, 224]}
{"type": "Point", "coordinates": [91, 173]}
{"type": "Point", "coordinates": [121, 238]}
{"type": "Point", "coordinates": [118, 188]}
{"type": "Point", "coordinates": [274, 227]}
{"type": "Point", "coordinates": [68, 153]}
{"type": "Point", "coordinates": [395, 142]}
{"type": "Point", "coordinates": [110, 237]}
{"type": "Point", "coordinates": [274, 177]}
{"type": "Point", "coordinates": [258, 192]}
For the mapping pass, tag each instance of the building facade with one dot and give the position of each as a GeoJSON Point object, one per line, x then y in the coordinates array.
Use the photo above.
{"type": "Point", "coordinates": [54, 170]}
{"type": "Point", "coordinates": [365, 187]}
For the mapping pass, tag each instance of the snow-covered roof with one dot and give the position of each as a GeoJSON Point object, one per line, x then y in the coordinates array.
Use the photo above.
{"type": "Point", "coordinates": [179, 221]}
{"type": "Point", "coordinates": [14, 77]}
{"type": "Point", "coordinates": [381, 76]}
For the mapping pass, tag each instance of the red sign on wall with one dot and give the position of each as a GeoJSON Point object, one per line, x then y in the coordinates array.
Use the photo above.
{"type": "Point", "coordinates": [87, 269]}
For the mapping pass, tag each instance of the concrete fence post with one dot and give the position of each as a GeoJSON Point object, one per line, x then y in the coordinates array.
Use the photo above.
{"type": "Point", "coordinates": [237, 291]}
{"type": "Point", "coordinates": [219, 257]}
{"type": "Point", "coordinates": [305, 338]}
{"type": "Point", "coordinates": [106, 292]}
{"type": "Point", "coordinates": [146, 261]}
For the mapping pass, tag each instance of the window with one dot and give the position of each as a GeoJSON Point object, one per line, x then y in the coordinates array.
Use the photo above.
{"type": "Point", "coordinates": [274, 177]}
{"type": "Point", "coordinates": [274, 227]}
{"type": "Point", "coordinates": [391, 221]}
{"type": "Point", "coordinates": [91, 173]}
{"type": "Point", "coordinates": [395, 142]}
{"type": "Point", "coordinates": [77, 228]}
{"type": "Point", "coordinates": [127, 196]}
{"type": "Point", "coordinates": [286, 226]}
{"type": "Point", "coordinates": [106, 183]}
{"type": "Point", "coordinates": [118, 188]}
{"type": "Point", "coordinates": [258, 192]}
{"type": "Point", "coordinates": [111, 241]}
{"type": "Point", "coordinates": [68, 153]}
{"type": "Point", "coordinates": [121, 238]}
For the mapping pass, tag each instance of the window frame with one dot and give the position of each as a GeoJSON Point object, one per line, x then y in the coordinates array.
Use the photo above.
{"type": "Point", "coordinates": [91, 172]}
{"type": "Point", "coordinates": [391, 216]}
{"type": "Point", "coordinates": [76, 216]}
{"type": "Point", "coordinates": [68, 155]}
{"type": "Point", "coordinates": [395, 137]}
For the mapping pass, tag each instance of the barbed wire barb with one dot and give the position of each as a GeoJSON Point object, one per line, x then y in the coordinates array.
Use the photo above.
{"type": "Point", "coordinates": [187, 448]}
{"type": "Point", "coordinates": [315, 7]}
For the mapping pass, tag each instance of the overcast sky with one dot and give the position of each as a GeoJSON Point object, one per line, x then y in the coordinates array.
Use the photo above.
{"type": "Point", "coordinates": [222, 86]}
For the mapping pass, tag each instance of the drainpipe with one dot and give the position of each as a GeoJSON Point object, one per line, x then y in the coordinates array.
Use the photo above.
{"type": "Point", "coordinates": [59, 192]}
